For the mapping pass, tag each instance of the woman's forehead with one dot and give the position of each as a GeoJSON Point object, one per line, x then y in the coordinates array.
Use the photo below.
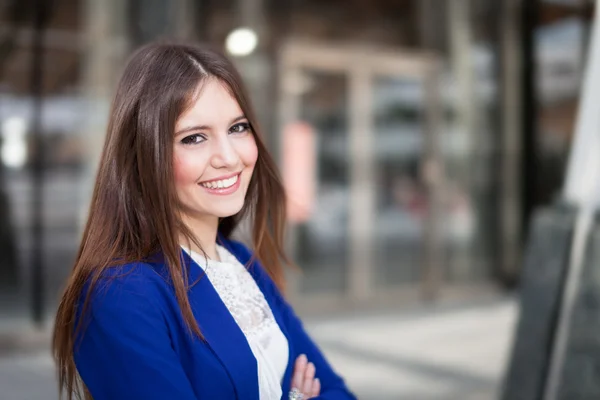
{"type": "Point", "coordinates": [211, 102]}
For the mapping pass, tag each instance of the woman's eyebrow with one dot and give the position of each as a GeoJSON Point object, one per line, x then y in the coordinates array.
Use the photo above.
{"type": "Point", "coordinates": [192, 128]}
{"type": "Point", "coordinates": [206, 127]}
{"type": "Point", "coordinates": [241, 117]}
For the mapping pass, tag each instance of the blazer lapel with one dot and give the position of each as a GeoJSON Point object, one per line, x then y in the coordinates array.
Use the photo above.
{"type": "Point", "coordinates": [222, 333]}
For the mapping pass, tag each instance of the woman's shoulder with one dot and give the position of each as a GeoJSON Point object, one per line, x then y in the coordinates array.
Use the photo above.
{"type": "Point", "coordinates": [117, 302]}
{"type": "Point", "coordinates": [131, 273]}
{"type": "Point", "coordinates": [132, 281]}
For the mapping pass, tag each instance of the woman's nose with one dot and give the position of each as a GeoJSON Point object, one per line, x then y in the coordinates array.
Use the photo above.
{"type": "Point", "coordinates": [225, 154]}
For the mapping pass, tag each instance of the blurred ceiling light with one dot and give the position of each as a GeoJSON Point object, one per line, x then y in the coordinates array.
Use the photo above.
{"type": "Point", "coordinates": [14, 148]}
{"type": "Point", "coordinates": [241, 42]}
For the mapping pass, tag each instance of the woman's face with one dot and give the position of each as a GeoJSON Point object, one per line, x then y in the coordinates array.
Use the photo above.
{"type": "Point", "coordinates": [214, 154]}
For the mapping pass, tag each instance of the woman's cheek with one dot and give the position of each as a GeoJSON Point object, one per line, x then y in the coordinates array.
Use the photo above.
{"type": "Point", "coordinates": [250, 151]}
{"type": "Point", "coordinates": [182, 170]}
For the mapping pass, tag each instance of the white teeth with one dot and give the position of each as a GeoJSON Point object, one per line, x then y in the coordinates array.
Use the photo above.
{"type": "Point", "coordinates": [222, 184]}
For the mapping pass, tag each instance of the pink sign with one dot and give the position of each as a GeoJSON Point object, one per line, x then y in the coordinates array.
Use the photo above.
{"type": "Point", "coordinates": [299, 170]}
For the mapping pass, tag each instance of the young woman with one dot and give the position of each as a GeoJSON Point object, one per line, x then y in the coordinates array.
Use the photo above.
{"type": "Point", "coordinates": [161, 303]}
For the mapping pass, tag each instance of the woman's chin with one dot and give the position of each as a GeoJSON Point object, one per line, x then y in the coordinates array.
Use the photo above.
{"type": "Point", "coordinates": [224, 212]}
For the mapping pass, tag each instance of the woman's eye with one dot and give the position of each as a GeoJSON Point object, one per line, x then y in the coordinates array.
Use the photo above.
{"type": "Point", "coordinates": [240, 128]}
{"type": "Point", "coordinates": [193, 139]}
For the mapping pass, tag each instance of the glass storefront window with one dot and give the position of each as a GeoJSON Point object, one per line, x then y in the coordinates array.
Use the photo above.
{"type": "Point", "coordinates": [322, 247]}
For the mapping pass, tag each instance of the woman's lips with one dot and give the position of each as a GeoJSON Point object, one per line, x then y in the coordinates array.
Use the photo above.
{"type": "Point", "coordinates": [222, 186]}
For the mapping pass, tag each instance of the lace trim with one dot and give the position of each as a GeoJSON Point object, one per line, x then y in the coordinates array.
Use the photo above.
{"type": "Point", "coordinates": [240, 294]}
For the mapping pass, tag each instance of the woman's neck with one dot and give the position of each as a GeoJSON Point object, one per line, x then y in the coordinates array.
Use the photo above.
{"type": "Point", "coordinates": [204, 231]}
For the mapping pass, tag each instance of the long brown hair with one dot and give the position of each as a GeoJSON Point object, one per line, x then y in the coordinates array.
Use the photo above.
{"type": "Point", "coordinates": [133, 210]}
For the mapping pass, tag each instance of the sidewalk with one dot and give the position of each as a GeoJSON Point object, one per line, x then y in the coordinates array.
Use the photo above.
{"type": "Point", "coordinates": [448, 353]}
{"type": "Point", "coordinates": [452, 354]}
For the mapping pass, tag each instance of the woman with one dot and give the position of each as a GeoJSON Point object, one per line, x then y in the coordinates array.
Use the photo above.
{"type": "Point", "coordinates": [161, 303]}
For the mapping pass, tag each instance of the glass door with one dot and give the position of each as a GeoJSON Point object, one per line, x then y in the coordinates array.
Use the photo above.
{"type": "Point", "coordinates": [371, 230]}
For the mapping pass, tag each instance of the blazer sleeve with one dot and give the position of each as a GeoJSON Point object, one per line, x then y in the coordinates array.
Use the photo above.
{"type": "Point", "coordinates": [332, 385]}
{"type": "Point", "coordinates": [124, 350]}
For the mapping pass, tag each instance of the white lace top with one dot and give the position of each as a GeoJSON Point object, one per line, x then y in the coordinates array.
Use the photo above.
{"type": "Point", "coordinates": [248, 306]}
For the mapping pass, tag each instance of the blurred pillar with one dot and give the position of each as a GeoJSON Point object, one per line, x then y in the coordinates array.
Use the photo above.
{"type": "Point", "coordinates": [461, 48]}
{"type": "Point", "coordinates": [529, 109]}
{"type": "Point", "coordinates": [431, 28]}
{"type": "Point", "coordinates": [40, 20]}
{"type": "Point", "coordinates": [257, 68]}
{"type": "Point", "coordinates": [9, 268]}
{"type": "Point", "coordinates": [426, 10]}
{"type": "Point", "coordinates": [434, 178]}
{"type": "Point", "coordinates": [105, 48]}
{"type": "Point", "coordinates": [15, 16]}
{"type": "Point", "coordinates": [362, 183]}
{"type": "Point", "coordinates": [185, 15]}
{"type": "Point", "coordinates": [431, 14]}
{"type": "Point", "coordinates": [510, 151]}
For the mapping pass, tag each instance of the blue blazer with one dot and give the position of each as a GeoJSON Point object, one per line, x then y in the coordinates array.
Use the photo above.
{"type": "Point", "coordinates": [135, 344]}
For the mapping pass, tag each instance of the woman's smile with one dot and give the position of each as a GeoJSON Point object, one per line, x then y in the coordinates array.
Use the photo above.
{"type": "Point", "coordinates": [223, 185]}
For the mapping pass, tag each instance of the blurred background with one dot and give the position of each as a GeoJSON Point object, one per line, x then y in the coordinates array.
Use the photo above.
{"type": "Point", "coordinates": [416, 138]}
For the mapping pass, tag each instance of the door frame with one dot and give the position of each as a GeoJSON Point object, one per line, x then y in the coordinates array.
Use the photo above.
{"type": "Point", "coordinates": [360, 64]}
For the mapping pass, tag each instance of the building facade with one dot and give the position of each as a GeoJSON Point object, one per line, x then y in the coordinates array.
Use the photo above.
{"type": "Point", "coordinates": [430, 130]}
